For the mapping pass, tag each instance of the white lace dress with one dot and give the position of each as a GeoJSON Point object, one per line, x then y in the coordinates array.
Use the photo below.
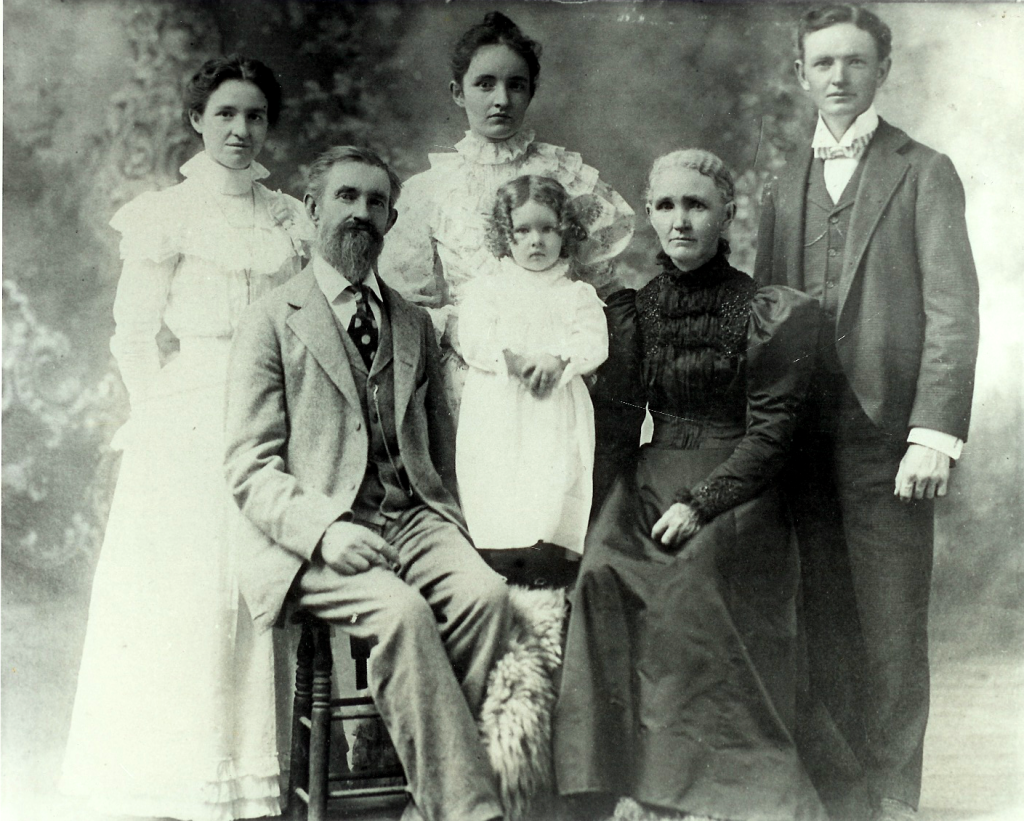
{"type": "Point", "coordinates": [438, 244]}
{"type": "Point", "coordinates": [174, 713]}
{"type": "Point", "coordinates": [525, 465]}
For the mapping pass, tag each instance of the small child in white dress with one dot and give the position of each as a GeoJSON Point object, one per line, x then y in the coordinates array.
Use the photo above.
{"type": "Point", "coordinates": [525, 447]}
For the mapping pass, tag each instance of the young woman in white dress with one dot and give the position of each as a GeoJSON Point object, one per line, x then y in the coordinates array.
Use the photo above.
{"type": "Point", "coordinates": [174, 713]}
{"type": "Point", "coordinates": [438, 244]}
{"type": "Point", "coordinates": [529, 333]}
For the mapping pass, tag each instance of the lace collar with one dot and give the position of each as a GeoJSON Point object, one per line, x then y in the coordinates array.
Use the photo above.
{"type": "Point", "coordinates": [511, 268]}
{"type": "Point", "coordinates": [478, 150]}
{"type": "Point", "coordinates": [211, 174]}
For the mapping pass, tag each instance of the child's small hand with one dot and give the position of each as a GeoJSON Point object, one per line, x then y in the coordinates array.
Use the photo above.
{"type": "Point", "coordinates": [514, 363]}
{"type": "Point", "coordinates": [541, 373]}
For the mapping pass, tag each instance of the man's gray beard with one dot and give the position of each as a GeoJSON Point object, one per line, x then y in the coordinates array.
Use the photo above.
{"type": "Point", "coordinates": [351, 251]}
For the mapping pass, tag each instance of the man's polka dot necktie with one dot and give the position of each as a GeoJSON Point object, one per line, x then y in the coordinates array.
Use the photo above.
{"type": "Point", "coordinates": [363, 327]}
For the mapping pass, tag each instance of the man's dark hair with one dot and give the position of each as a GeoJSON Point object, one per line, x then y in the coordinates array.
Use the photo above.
{"type": "Point", "coordinates": [822, 17]}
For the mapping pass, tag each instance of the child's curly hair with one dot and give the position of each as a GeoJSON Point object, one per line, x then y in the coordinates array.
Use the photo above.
{"type": "Point", "coordinates": [545, 191]}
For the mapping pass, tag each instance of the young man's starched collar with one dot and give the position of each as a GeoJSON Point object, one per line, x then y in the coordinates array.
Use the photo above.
{"type": "Point", "coordinates": [858, 135]}
{"type": "Point", "coordinates": [841, 156]}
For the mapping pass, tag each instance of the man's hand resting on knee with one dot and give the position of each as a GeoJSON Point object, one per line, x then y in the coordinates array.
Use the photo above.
{"type": "Point", "coordinates": [349, 548]}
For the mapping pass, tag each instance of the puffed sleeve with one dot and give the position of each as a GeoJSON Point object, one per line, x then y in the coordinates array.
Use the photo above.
{"type": "Point", "coordinates": [150, 258]}
{"type": "Point", "coordinates": [587, 346]}
{"type": "Point", "coordinates": [782, 335]}
{"type": "Point", "coordinates": [408, 262]}
{"type": "Point", "coordinates": [479, 318]}
{"type": "Point", "coordinates": [609, 221]}
{"type": "Point", "coordinates": [607, 217]}
{"type": "Point", "coordinates": [619, 398]}
{"type": "Point", "coordinates": [290, 215]}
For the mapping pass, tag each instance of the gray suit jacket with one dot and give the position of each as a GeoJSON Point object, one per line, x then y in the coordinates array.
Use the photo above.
{"type": "Point", "coordinates": [907, 327]}
{"type": "Point", "coordinates": [297, 443]}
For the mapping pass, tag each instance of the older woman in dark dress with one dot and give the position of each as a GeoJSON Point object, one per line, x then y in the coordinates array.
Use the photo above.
{"type": "Point", "coordinates": [678, 687]}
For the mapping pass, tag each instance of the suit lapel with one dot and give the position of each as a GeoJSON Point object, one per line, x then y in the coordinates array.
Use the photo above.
{"type": "Point", "coordinates": [315, 326]}
{"type": "Point", "coordinates": [884, 169]}
{"type": "Point", "coordinates": [405, 345]}
{"type": "Point", "coordinates": [790, 214]}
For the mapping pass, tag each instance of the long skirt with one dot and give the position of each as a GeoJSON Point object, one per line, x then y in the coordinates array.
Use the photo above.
{"type": "Point", "coordinates": [174, 713]}
{"type": "Point", "coordinates": [679, 682]}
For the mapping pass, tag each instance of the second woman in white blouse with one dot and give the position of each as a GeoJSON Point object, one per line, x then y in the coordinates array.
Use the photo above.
{"type": "Point", "coordinates": [438, 244]}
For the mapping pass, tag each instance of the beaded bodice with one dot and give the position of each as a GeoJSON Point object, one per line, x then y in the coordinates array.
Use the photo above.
{"type": "Point", "coordinates": [693, 342]}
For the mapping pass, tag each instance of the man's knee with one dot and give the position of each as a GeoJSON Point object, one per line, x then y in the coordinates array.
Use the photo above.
{"type": "Point", "coordinates": [489, 593]}
{"type": "Point", "coordinates": [404, 611]}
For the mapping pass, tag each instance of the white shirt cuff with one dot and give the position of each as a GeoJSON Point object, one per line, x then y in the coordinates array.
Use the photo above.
{"type": "Point", "coordinates": [936, 440]}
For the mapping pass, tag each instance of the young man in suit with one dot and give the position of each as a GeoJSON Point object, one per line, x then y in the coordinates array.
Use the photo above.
{"type": "Point", "coordinates": [340, 458]}
{"type": "Point", "coordinates": [872, 224]}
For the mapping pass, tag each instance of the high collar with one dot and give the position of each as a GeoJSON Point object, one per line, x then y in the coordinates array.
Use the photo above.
{"type": "Point", "coordinates": [864, 126]}
{"type": "Point", "coordinates": [479, 150]}
{"type": "Point", "coordinates": [211, 174]}
{"type": "Point", "coordinates": [712, 272]}
{"type": "Point", "coordinates": [511, 268]}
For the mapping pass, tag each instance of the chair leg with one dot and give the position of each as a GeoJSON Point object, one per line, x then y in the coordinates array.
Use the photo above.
{"type": "Point", "coordinates": [320, 732]}
{"type": "Point", "coordinates": [298, 775]}
{"type": "Point", "coordinates": [360, 649]}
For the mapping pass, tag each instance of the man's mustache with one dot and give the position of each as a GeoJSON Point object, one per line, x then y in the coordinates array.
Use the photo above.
{"type": "Point", "coordinates": [355, 227]}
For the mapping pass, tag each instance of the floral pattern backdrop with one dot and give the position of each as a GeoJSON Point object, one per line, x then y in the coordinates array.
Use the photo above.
{"type": "Point", "coordinates": [62, 397]}
{"type": "Point", "coordinates": [92, 118]}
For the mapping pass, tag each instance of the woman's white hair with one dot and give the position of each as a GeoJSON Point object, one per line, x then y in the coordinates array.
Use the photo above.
{"type": "Point", "coordinates": [701, 161]}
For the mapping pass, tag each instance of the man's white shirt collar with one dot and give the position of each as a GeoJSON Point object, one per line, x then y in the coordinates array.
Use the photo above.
{"type": "Point", "coordinates": [333, 283]}
{"type": "Point", "coordinates": [865, 125]}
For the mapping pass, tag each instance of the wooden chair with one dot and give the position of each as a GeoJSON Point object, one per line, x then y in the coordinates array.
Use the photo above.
{"type": "Point", "coordinates": [314, 711]}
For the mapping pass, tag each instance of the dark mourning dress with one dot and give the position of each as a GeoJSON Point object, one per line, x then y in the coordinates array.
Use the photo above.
{"type": "Point", "coordinates": [678, 685]}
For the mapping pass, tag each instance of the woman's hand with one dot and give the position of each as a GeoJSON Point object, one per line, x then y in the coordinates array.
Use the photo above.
{"type": "Point", "coordinates": [450, 334]}
{"type": "Point", "coordinates": [541, 373]}
{"type": "Point", "coordinates": [676, 525]}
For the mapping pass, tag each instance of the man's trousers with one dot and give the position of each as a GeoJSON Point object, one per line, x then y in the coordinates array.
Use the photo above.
{"type": "Point", "coordinates": [866, 561]}
{"type": "Point", "coordinates": [436, 627]}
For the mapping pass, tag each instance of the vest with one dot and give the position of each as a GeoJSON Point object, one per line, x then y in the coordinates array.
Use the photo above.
{"type": "Point", "coordinates": [385, 490]}
{"type": "Point", "coordinates": [826, 228]}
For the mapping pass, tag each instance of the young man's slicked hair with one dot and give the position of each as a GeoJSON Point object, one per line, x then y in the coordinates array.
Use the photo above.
{"type": "Point", "coordinates": [822, 17]}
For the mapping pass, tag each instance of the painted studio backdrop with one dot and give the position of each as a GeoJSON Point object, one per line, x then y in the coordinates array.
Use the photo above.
{"type": "Point", "coordinates": [92, 118]}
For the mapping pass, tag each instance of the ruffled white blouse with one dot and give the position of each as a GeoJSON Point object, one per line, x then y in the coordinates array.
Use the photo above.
{"type": "Point", "coordinates": [439, 242]}
{"type": "Point", "coordinates": [195, 255]}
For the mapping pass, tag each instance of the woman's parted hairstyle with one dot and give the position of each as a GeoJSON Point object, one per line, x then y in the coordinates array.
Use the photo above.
{"type": "Point", "coordinates": [822, 17]}
{"type": "Point", "coordinates": [495, 30]}
{"type": "Point", "coordinates": [701, 161]}
{"type": "Point", "coordinates": [532, 188]}
{"type": "Point", "coordinates": [232, 67]}
{"type": "Point", "coordinates": [316, 176]}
